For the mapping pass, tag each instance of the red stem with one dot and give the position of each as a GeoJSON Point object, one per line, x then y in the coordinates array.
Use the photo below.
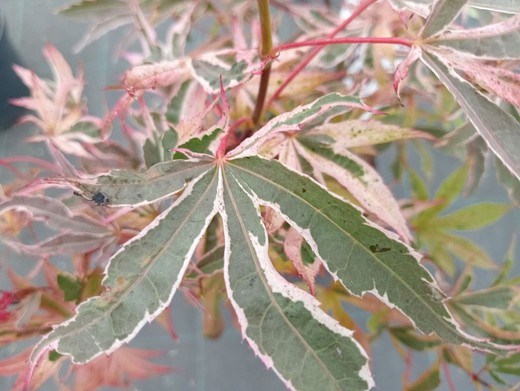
{"type": "Point", "coordinates": [317, 49]}
{"type": "Point", "coordinates": [221, 151]}
{"type": "Point", "coordinates": [31, 159]}
{"type": "Point", "coordinates": [447, 373]}
{"type": "Point", "coordinates": [408, 368]}
{"type": "Point", "coordinates": [332, 41]}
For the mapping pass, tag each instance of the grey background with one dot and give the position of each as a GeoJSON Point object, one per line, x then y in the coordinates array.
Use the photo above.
{"type": "Point", "coordinates": [201, 364]}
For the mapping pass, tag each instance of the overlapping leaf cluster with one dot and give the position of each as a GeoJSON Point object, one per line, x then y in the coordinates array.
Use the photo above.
{"type": "Point", "coordinates": [206, 200]}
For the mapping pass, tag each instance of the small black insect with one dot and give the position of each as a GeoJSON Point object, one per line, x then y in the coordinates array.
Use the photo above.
{"type": "Point", "coordinates": [100, 199]}
{"type": "Point", "coordinates": [376, 249]}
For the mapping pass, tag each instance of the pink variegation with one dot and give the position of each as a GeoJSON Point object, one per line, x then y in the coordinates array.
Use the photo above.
{"type": "Point", "coordinates": [58, 105]}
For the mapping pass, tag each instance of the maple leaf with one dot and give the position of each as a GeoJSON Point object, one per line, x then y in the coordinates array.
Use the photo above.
{"type": "Point", "coordinates": [279, 320]}
{"type": "Point", "coordinates": [58, 106]}
{"type": "Point", "coordinates": [456, 57]}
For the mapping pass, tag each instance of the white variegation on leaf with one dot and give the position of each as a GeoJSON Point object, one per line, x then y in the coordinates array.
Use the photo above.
{"type": "Point", "coordinates": [293, 249]}
{"type": "Point", "coordinates": [283, 324]}
{"type": "Point", "coordinates": [496, 81]}
{"type": "Point", "coordinates": [363, 256]}
{"type": "Point", "coordinates": [363, 182]}
{"type": "Point", "coordinates": [442, 14]}
{"type": "Point", "coordinates": [76, 232]}
{"type": "Point", "coordinates": [140, 279]}
{"type": "Point", "coordinates": [423, 7]}
{"type": "Point", "coordinates": [448, 52]}
{"type": "Point", "coordinates": [359, 133]}
{"type": "Point", "coordinates": [296, 120]}
{"type": "Point", "coordinates": [497, 41]}
{"type": "Point", "coordinates": [499, 129]}
{"type": "Point", "coordinates": [233, 67]}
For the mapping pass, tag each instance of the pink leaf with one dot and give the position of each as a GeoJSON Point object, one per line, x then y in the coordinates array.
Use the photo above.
{"type": "Point", "coordinates": [292, 248]}
{"type": "Point", "coordinates": [403, 68]}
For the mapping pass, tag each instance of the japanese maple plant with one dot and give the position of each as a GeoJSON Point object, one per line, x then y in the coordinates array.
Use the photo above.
{"type": "Point", "coordinates": [240, 166]}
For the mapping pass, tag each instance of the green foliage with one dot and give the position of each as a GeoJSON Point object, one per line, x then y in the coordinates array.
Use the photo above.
{"type": "Point", "coordinates": [252, 178]}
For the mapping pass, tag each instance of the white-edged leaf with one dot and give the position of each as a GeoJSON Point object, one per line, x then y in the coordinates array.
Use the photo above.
{"type": "Point", "coordinates": [107, 15]}
{"type": "Point", "coordinates": [160, 74]}
{"type": "Point", "coordinates": [422, 7]}
{"type": "Point", "coordinates": [506, 6]}
{"type": "Point", "coordinates": [66, 243]}
{"type": "Point", "coordinates": [140, 279]}
{"type": "Point", "coordinates": [55, 214]}
{"type": "Point", "coordinates": [359, 178]}
{"type": "Point", "coordinates": [128, 188]}
{"type": "Point", "coordinates": [495, 41]}
{"type": "Point", "coordinates": [499, 129]}
{"type": "Point", "coordinates": [234, 67]}
{"type": "Point", "coordinates": [292, 246]}
{"type": "Point", "coordinates": [362, 256]}
{"type": "Point", "coordinates": [494, 80]}
{"type": "Point", "coordinates": [442, 14]}
{"type": "Point", "coordinates": [94, 9]}
{"type": "Point", "coordinates": [358, 133]}
{"type": "Point", "coordinates": [283, 324]}
{"type": "Point", "coordinates": [294, 120]}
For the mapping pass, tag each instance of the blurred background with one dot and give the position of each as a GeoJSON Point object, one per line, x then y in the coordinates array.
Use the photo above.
{"type": "Point", "coordinates": [200, 363]}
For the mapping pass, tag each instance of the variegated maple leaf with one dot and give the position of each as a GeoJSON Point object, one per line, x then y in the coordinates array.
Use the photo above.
{"type": "Point", "coordinates": [284, 325]}
{"type": "Point", "coordinates": [456, 56]}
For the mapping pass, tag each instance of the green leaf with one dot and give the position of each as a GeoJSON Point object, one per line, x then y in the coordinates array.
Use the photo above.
{"type": "Point", "coordinates": [357, 133]}
{"type": "Point", "coordinates": [508, 365]}
{"type": "Point", "coordinates": [70, 287]}
{"type": "Point", "coordinates": [169, 140]}
{"type": "Point", "coordinates": [499, 297]}
{"type": "Point", "coordinates": [295, 120]}
{"type": "Point", "coordinates": [448, 190]}
{"type": "Point", "coordinates": [92, 9]}
{"type": "Point", "coordinates": [356, 176]}
{"type": "Point", "coordinates": [472, 217]}
{"type": "Point", "coordinates": [150, 153]}
{"type": "Point", "coordinates": [428, 381]}
{"type": "Point", "coordinates": [498, 128]}
{"type": "Point", "coordinates": [419, 188]}
{"type": "Point", "coordinates": [443, 13]}
{"type": "Point", "coordinates": [233, 67]}
{"type": "Point", "coordinates": [282, 323]}
{"type": "Point", "coordinates": [107, 15]}
{"type": "Point", "coordinates": [122, 187]}
{"type": "Point", "coordinates": [154, 153]}
{"type": "Point", "coordinates": [465, 249]}
{"type": "Point", "coordinates": [507, 265]}
{"type": "Point", "coordinates": [54, 355]}
{"type": "Point", "coordinates": [364, 258]}
{"type": "Point", "coordinates": [199, 145]}
{"type": "Point", "coordinates": [410, 338]}
{"type": "Point", "coordinates": [342, 161]}
{"type": "Point", "coordinates": [176, 104]}
{"type": "Point", "coordinates": [212, 261]}
{"type": "Point", "coordinates": [140, 279]}
{"type": "Point", "coordinates": [509, 181]}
